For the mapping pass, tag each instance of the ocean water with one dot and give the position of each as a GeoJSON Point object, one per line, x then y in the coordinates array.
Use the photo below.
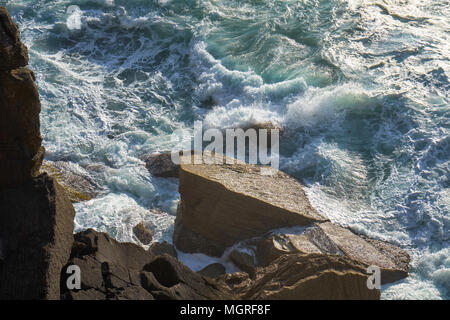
{"type": "Point", "coordinates": [361, 88]}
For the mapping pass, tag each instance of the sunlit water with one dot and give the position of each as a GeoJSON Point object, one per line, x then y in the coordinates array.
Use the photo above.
{"type": "Point", "coordinates": [361, 88]}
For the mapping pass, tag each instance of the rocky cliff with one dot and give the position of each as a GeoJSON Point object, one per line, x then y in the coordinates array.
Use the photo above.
{"type": "Point", "coordinates": [221, 205]}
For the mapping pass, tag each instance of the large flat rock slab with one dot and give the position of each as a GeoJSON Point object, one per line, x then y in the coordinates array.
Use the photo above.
{"type": "Point", "coordinates": [222, 204]}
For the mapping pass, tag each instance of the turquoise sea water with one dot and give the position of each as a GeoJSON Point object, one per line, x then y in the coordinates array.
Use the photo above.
{"type": "Point", "coordinates": [361, 88]}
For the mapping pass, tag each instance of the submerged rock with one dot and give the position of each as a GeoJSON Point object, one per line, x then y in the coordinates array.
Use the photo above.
{"type": "Point", "coordinates": [144, 235]}
{"type": "Point", "coordinates": [79, 186]}
{"type": "Point", "coordinates": [223, 204]}
{"type": "Point", "coordinates": [21, 153]}
{"type": "Point", "coordinates": [159, 248]}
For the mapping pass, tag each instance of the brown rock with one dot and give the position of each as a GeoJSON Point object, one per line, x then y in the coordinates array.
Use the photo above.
{"type": "Point", "coordinates": [141, 232]}
{"type": "Point", "coordinates": [305, 277]}
{"type": "Point", "coordinates": [79, 186]}
{"type": "Point", "coordinates": [21, 153]}
{"type": "Point", "coordinates": [36, 225]}
{"type": "Point", "coordinates": [212, 271]}
{"type": "Point", "coordinates": [161, 165]}
{"type": "Point", "coordinates": [223, 204]}
{"type": "Point", "coordinates": [243, 261]}
{"type": "Point", "coordinates": [160, 248]}
{"type": "Point", "coordinates": [329, 239]}
{"type": "Point", "coordinates": [14, 54]}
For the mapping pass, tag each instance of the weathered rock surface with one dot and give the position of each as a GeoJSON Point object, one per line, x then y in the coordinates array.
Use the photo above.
{"type": "Point", "coordinates": [327, 238]}
{"type": "Point", "coordinates": [160, 248]}
{"type": "Point", "coordinates": [304, 277]}
{"type": "Point", "coordinates": [213, 270]}
{"type": "Point", "coordinates": [144, 235]}
{"type": "Point", "coordinates": [223, 204]}
{"type": "Point", "coordinates": [79, 186]}
{"type": "Point", "coordinates": [161, 165]}
{"type": "Point", "coordinates": [13, 52]}
{"type": "Point", "coordinates": [21, 152]}
{"type": "Point", "coordinates": [113, 270]}
{"type": "Point", "coordinates": [36, 228]}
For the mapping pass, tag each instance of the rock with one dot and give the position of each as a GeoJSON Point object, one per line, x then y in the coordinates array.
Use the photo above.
{"type": "Point", "coordinates": [144, 235]}
{"type": "Point", "coordinates": [13, 52]}
{"type": "Point", "coordinates": [271, 248]}
{"type": "Point", "coordinates": [243, 261]}
{"type": "Point", "coordinates": [223, 204]}
{"type": "Point", "coordinates": [160, 248]}
{"type": "Point", "coordinates": [330, 239]}
{"type": "Point", "coordinates": [161, 165]}
{"type": "Point", "coordinates": [37, 221]}
{"type": "Point", "coordinates": [212, 271]}
{"type": "Point", "coordinates": [78, 185]}
{"type": "Point", "coordinates": [112, 270]}
{"type": "Point", "coordinates": [304, 277]}
{"type": "Point", "coordinates": [166, 278]}
{"type": "Point", "coordinates": [21, 153]}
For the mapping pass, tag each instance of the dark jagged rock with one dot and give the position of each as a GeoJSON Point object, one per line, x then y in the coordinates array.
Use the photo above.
{"type": "Point", "coordinates": [213, 270]}
{"type": "Point", "coordinates": [159, 248]}
{"type": "Point", "coordinates": [114, 270]}
{"type": "Point", "coordinates": [36, 225]}
{"type": "Point", "coordinates": [13, 52]}
{"type": "Point", "coordinates": [21, 153]}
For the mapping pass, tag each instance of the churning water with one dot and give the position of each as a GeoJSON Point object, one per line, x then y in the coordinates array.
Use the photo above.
{"type": "Point", "coordinates": [360, 86]}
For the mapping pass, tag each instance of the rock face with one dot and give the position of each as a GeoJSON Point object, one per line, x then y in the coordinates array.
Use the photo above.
{"type": "Point", "coordinates": [327, 238]}
{"type": "Point", "coordinates": [21, 152]}
{"type": "Point", "coordinates": [36, 228]}
{"type": "Point", "coordinates": [223, 204]}
{"type": "Point", "coordinates": [36, 217]}
{"type": "Point", "coordinates": [112, 270]}
{"type": "Point", "coordinates": [304, 277]}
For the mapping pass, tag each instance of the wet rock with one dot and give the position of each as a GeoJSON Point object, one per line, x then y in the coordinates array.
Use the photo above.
{"type": "Point", "coordinates": [160, 248]}
{"type": "Point", "coordinates": [213, 270]}
{"type": "Point", "coordinates": [161, 165]}
{"type": "Point", "coordinates": [223, 204]}
{"type": "Point", "coordinates": [77, 183]}
{"type": "Point", "coordinates": [144, 235]}
{"type": "Point", "coordinates": [37, 219]}
{"type": "Point", "coordinates": [243, 260]}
